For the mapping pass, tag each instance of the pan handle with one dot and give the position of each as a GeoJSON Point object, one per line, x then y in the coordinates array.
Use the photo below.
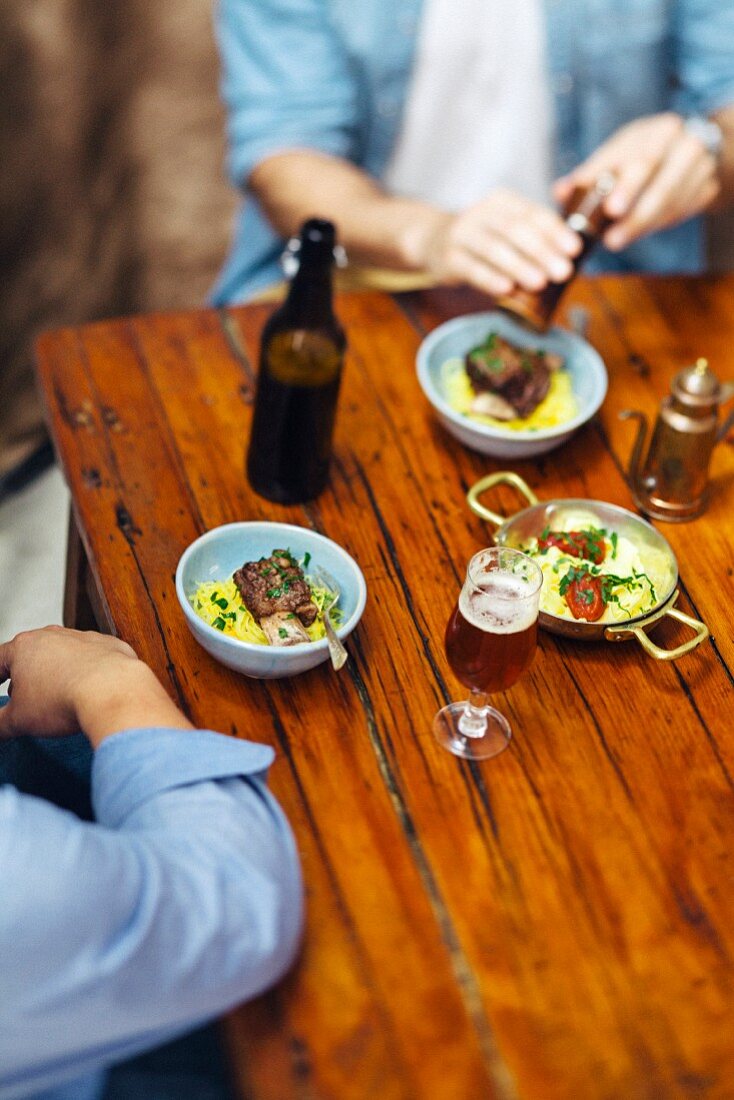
{"type": "Point", "coordinates": [503, 477]}
{"type": "Point", "coordinates": [701, 632]}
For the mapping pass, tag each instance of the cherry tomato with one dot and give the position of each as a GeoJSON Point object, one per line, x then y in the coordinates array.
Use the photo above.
{"type": "Point", "coordinates": [584, 598]}
{"type": "Point", "coordinates": [577, 544]}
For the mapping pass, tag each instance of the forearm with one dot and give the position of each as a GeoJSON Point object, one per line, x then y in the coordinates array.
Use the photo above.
{"type": "Point", "coordinates": [135, 700]}
{"type": "Point", "coordinates": [375, 228]}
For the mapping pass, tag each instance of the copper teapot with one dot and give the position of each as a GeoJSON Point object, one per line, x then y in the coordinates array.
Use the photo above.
{"type": "Point", "coordinates": [672, 482]}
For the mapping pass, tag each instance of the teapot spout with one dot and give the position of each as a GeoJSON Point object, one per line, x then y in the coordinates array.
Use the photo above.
{"type": "Point", "coordinates": [635, 463]}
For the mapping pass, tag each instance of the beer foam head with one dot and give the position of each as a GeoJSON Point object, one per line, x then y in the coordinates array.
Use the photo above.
{"type": "Point", "coordinates": [502, 605]}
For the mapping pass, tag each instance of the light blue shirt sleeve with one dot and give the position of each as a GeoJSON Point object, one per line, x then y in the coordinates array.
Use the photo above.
{"type": "Point", "coordinates": [285, 80]}
{"type": "Point", "coordinates": [704, 45]}
{"type": "Point", "coordinates": [183, 899]}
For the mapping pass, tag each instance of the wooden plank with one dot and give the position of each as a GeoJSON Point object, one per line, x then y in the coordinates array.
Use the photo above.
{"type": "Point", "coordinates": [684, 715]}
{"type": "Point", "coordinates": [550, 924]}
{"type": "Point", "coordinates": [571, 473]}
{"type": "Point", "coordinates": [374, 934]}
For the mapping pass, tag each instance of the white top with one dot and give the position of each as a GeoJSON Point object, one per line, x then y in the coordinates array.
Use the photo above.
{"type": "Point", "coordinates": [478, 114]}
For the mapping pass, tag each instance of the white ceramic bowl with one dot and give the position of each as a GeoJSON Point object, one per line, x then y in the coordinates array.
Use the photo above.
{"type": "Point", "coordinates": [455, 338]}
{"type": "Point", "coordinates": [216, 555]}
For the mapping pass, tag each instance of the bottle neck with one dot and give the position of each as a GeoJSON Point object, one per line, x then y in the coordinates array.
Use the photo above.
{"type": "Point", "coordinates": [309, 300]}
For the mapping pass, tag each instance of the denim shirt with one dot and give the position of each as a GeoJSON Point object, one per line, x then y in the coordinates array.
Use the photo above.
{"type": "Point", "coordinates": [332, 76]}
{"type": "Point", "coordinates": [182, 899]}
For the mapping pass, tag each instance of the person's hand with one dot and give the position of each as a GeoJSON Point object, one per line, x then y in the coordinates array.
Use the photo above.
{"type": "Point", "coordinates": [500, 242]}
{"type": "Point", "coordinates": [664, 175]}
{"type": "Point", "coordinates": [63, 681]}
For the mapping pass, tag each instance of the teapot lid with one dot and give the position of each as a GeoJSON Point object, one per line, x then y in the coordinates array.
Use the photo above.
{"type": "Point", "coordinates": [697, 385]}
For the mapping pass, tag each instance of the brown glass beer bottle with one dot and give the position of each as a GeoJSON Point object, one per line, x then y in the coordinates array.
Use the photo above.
{"type": "Point", "coordinates": [584, 212]}
{"type": "Point", "coordinates": [301, 358]}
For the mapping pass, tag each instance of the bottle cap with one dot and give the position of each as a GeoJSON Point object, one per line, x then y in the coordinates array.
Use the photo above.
{"type": "Point", "coordinates": [318, 238]}
{"type": "Point", "coordinates": [315, 243]}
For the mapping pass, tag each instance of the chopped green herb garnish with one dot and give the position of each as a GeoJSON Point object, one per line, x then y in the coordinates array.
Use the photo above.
{"type": "Point", "coordinates": [221, 602]}
{"type": "Point", "coordinates": [614, 538]}
{"type": "Point", "coordinates": [285, 554]}
{"type": "Point", "coordinates": [274, 593]}
{"type": "Point", "coordinates": [573, 574]}
{"type": "Point", "coordinates": [306, 559]}
{"type": "Point", "coordinates": [219, 623]}
{"type": "Point", "coordinates": [282, 632]}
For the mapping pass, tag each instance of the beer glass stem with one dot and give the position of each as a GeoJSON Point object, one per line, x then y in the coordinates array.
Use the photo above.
{"type": "Point", "coordinates": [473, 722]}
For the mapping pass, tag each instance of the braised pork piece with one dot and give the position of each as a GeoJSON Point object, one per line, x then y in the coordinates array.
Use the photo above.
{"type": "Point", "coordinates": [276, 594]}
{"type": "Point", "coordinates": [509, 382]}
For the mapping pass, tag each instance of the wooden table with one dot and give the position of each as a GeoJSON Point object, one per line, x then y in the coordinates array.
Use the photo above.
{"type": "Point", "coordinates": [554, 923]}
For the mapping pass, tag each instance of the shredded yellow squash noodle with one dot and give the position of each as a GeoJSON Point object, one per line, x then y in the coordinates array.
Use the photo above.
{"type": "Point", "coordinates": [219, 604]}
{"type": "Point", "coordinates": [640, 576]}
{"type": "Point", "coordinates": [557, 407]}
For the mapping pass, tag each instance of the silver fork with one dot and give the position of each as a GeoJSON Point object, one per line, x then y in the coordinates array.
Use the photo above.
{"type": "Point", "coordinates": [578, 319]}
{"type": "Point", "coordinates": [337, 652]}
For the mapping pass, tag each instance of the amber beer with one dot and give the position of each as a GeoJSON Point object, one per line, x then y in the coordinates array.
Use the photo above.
{"type": "Point", "coordinates": [492, 633]}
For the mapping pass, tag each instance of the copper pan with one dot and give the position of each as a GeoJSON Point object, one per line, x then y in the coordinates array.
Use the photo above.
{"type": "Point", "coordinates": [515, 530]}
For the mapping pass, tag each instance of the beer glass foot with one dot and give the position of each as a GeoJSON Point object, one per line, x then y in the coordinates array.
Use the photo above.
{"type": "Point", "coordinates": [494, 738]}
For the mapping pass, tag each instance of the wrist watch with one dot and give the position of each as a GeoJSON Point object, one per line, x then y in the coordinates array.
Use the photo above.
{"type": "Point", "coordinates": [708, 132]}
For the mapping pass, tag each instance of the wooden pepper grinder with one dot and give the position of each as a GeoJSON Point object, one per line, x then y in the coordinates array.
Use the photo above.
{"type": "Point", "coordinates": [584, 213]}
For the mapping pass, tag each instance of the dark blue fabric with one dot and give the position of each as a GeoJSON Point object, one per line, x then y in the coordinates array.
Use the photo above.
{"type": "Point", "coordinates": [55, 768]}
{"type": "Point", "coordinates": [191, 1068]}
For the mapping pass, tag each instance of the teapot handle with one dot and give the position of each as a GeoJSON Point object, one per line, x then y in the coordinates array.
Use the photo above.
{"type": "Point", "coordinates": [727, 422]}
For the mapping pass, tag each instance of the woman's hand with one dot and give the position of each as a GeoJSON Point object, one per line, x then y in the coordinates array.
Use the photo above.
{"type": "Point", "coordinates": [664, 172]}
{"type": "Point", "coordinates": [500, 242]}
{"type": "Point", "coordinates": [63, 681]}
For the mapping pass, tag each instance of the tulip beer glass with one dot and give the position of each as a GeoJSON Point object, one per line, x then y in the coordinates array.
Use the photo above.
{"type": "Point", "coordinates": [490, 641]}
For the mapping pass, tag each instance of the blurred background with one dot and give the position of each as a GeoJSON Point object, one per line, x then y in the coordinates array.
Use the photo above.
{"type": "Point", "coordinates": [113, 197]}
{"type": "Point", "coordinates": [113, 200]}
